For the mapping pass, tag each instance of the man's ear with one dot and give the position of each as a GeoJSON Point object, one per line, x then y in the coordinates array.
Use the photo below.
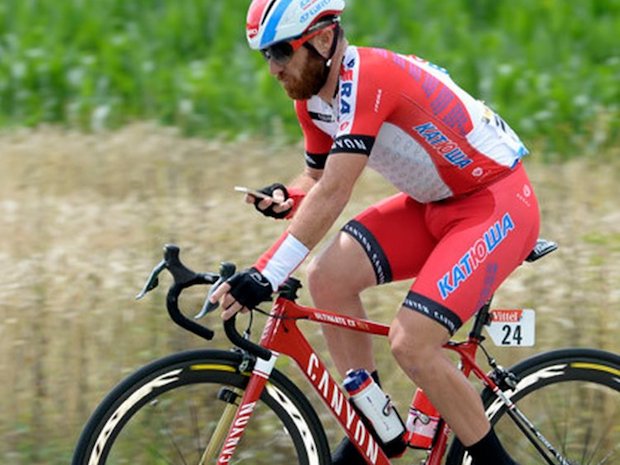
{"type": "Point", "coordinates": [323, 41]}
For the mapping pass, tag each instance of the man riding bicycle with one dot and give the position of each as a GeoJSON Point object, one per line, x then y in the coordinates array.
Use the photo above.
{"type": "Point", "coordinates": [465, 217]}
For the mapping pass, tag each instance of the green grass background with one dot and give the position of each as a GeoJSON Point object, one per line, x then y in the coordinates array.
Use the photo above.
{"type": "Point", "coordinates": [551, 67]}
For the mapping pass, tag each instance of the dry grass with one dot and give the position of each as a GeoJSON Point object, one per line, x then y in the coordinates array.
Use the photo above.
{"type": "Point", "coordinates": [83, 219]}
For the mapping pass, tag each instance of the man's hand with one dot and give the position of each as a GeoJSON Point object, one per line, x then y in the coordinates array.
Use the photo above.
{"type": "Point", "coordinates": [242, 292]}
{"type": "Point", "coordinates": [281, 205]}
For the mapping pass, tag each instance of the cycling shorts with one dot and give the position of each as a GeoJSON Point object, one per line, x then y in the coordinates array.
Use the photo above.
{"type": "Point", "coordinates": [459, 250]}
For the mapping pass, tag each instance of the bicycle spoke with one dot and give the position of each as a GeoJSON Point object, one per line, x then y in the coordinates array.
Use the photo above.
{"type": "Point", "coordinates": [158, 454]}
{"type": "Point", "coordinates": [523, 423]}
{"type": "Point", "coordinates": [577, 423]}
{"type": "Point", "coordinates": [165, 428]}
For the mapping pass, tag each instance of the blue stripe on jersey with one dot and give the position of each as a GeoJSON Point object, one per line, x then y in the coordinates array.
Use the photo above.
{"type": "Point", "coordinates": [274, 21]}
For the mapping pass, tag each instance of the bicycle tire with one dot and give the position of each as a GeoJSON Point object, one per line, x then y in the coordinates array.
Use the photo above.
{"type": "Point", "coordinates": [572, 396]}
{"type": "Point", "coordinates": [163, 413]}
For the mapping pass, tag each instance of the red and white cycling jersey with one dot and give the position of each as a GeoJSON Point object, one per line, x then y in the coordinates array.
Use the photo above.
{"type": "Point", "coordinates": [425, 134]}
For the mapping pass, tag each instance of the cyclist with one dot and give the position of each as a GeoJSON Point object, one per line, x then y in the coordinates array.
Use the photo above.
{"type": "Point", "coordinates": [465, 217]}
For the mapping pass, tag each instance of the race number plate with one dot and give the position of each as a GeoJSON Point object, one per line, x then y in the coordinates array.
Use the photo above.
{"type": "Point", "coordinates": [513, 328]}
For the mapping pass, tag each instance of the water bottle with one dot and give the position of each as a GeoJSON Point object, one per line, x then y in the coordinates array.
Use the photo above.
{"type": "Point", "coordinates": [378, 409]}
{"type": "Point", "coordinates": [422, 422]}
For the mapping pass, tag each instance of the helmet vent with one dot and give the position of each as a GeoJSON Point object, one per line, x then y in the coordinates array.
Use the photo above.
{"type": "Point", "coordinates": [267, 10]}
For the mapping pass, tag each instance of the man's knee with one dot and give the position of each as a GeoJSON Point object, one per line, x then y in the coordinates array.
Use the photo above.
{"type": "Point", "coordinates": [325, 281]}
{"type": "Point", "coordinates": [341, 269]}
{"type": "Point", "coordinates": [416, 341]}
{"type": "Point", "coordinates": [406, 348]}
{"type": "Point", "coordinates": [319, 275]}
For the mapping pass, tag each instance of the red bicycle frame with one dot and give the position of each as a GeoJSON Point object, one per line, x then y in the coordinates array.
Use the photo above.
{"type": "Point", "coordinates": [282, 336]}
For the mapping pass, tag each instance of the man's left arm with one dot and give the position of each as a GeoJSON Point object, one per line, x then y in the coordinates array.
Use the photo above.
{"type": "Point", "coordinates": [327, 198]}
{"type": "Point", "coordinates": [315, 217]}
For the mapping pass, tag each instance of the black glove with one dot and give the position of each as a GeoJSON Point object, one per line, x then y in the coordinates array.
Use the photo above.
{"type": "Point", "coordinates": [269, 210]}
{"type": "Point", "coordinates": [250, 288]}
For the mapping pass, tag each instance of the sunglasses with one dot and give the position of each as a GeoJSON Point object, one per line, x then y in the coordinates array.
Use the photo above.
{"type": "Point", "coordinates": [282, 52]}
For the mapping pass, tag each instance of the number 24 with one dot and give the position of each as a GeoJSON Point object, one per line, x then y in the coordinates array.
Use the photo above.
{"type": "Point", "coordinates": [512, 335]}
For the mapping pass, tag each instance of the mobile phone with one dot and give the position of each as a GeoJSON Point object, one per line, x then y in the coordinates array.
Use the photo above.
{"type": "Point", "coordinates": [255, 193]}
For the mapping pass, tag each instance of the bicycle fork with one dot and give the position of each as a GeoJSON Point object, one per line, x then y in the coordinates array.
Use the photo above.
{"type": "Point", "coordinates": [235, 418]}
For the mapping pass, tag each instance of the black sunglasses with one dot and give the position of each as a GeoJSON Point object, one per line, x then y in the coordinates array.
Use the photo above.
{"type": "Point", "coordinates": [281, 53]}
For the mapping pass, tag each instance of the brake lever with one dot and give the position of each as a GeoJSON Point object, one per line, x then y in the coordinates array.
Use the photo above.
{"type": "Point", "coordinates": [152, 281]}
{"type": "Point", "coordinates": [227, 269]}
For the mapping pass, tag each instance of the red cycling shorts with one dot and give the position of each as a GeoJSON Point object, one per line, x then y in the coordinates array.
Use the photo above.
{"type": "Point", "coordinates": [459, 250]}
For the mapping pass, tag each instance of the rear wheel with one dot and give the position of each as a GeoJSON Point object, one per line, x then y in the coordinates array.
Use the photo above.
{"type": "Point", "coordinates": [572, 397]}
{"type": "Point", "coordinates": [166, 413]}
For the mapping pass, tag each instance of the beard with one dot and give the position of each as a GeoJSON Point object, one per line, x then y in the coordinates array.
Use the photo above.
{"type": "Point", "coordinates": [310, 80]}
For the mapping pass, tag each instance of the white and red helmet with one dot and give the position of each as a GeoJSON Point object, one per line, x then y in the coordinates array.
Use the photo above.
{"type": "Point", "coordinates": [272, 21]}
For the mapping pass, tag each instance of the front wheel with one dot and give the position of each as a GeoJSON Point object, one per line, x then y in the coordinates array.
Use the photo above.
{"type": "Point", "coordinates": [572, 397]}
{"type": "Point", "coordinates": [166, 413]}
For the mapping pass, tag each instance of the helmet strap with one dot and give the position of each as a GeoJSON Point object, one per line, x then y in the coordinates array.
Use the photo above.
{"type": "Point", "coordinates": [332, 50]}
{"type": "Point", "coordinates": [330, 56]}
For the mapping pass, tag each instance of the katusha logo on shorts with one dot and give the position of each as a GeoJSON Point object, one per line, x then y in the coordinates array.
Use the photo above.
{"type": "Point", "coordinates": [475, 256]}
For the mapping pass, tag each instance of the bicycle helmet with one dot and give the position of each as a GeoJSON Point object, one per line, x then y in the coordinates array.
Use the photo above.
{"type": "Point", "coordinates": [272, 21]}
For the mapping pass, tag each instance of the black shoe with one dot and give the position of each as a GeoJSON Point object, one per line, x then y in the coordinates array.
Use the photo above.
{"type": "Point", "coordinates": [489, 451]}
{"type": "Point", "coordinates": [347, 454]}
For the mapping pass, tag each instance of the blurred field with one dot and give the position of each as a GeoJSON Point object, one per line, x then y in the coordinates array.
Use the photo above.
{"type": "Point", "coordinates": [83, 219]}
{"type": "Point", "coordinates": [551, 67]}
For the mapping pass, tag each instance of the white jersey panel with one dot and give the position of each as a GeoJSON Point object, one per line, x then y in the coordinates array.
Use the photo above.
{"type": "Point", "coordinates": [407, 165]}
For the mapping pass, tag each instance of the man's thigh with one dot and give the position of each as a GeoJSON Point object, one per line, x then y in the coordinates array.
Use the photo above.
{"type": "Point", "coordinates": [481, 240]}
{"type": "Point", "coordinates": [394, 237]}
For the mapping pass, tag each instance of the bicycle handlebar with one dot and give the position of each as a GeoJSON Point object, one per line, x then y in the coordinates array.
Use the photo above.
{"type": "Point", "coordinates": [237, 339]}
{"type": "Point", "coordinates": [183, 278]}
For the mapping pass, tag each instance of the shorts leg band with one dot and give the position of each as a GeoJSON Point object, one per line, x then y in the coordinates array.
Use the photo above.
{"type": "Point", "coordinates": [373, 250]}
{"type": "Point", "coordinates": [435, 311]}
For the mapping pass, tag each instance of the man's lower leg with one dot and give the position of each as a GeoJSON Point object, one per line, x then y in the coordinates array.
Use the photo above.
{"type": "Point", "coordinates": [417, 345]}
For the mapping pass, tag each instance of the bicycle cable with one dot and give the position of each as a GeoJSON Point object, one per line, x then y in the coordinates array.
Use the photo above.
{"type": "Point", "coordinates": [279, 317]}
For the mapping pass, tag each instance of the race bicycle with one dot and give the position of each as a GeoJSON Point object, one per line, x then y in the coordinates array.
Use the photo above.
{"type": "Point", "coordinates": [201, 407]}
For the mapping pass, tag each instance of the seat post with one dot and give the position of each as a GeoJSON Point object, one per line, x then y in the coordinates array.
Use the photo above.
{"type": "Point", "coordinates": [481, 320]}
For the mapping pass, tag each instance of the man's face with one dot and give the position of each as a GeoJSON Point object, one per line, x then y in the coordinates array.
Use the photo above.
{"type": "Point", "coordinates": [302, 77]}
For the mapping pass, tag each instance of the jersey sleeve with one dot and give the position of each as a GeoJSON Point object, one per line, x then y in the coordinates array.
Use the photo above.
{"type": "Point", "coordinates": [316, 142]}
{"type": "Point", "coordinates": [365, 101]}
